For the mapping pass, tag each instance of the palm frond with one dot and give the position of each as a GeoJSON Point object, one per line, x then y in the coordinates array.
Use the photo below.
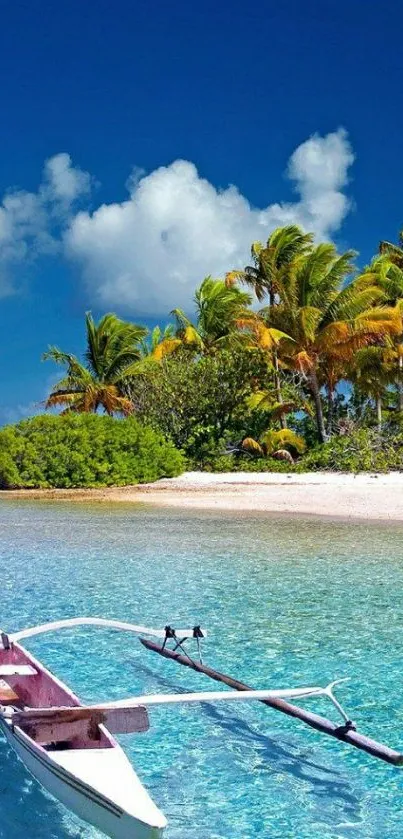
{"type": "Point", "coordinates": [165, 347]}
{"type": "Point", "coordinates": [63, 397]}
{"type": "Point", "coordinates": [309, 318]}
{"type": "Point", "coordinates": [261, 400]}
{"type": "Point", "coordinates": [329, 281]}
{"type": "Point", "coordinates": [394, 252]}
{"type": "Point", "coordinates": [351, 301]}
{"type": "Point", "coordinates": [182, 320]}
{"type": "Point", "coordinates": [252, 446]}
{"type": "Point", "coordinates": [284, 438]}
{"type": "Point", "coordinates": [116, 371]}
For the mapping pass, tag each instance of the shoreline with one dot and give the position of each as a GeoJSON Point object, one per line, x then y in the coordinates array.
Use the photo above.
{"type": "Point", "coordinates": [362, 496]}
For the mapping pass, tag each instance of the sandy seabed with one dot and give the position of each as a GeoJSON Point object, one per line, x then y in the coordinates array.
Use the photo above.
{"type": "Point", "coordinates": [363, 496]}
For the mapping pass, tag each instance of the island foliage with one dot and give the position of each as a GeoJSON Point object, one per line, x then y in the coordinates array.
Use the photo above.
{"type": "Point", "coordinates": [293, 362]}
{"type": "Point", "coordinates": [84, 451]}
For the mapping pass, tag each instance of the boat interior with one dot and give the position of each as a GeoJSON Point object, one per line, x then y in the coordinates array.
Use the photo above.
{"type": "Point", "coordinates": [25, 684]}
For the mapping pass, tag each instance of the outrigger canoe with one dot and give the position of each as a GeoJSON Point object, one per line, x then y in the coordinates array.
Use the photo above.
{"type": "Point", "coordinates": [70, 749]}
{"type": "Point", "coordinates": [80, 764]}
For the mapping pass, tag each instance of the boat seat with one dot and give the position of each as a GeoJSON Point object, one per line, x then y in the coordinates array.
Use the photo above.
{"type": "Point", "coordinates": [8, 696]}
{"type": "Point", "coordinates": [17, 670]}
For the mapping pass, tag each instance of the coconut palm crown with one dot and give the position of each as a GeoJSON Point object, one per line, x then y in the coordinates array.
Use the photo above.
{"type": "Point", "coordinates": [328, 319]}
{"type": "Point", "coordinates": [113, 351]}
{"type": "Point", "coordinates": [218, 309]}
{"type": "Point", "coordinates": [271, 262]}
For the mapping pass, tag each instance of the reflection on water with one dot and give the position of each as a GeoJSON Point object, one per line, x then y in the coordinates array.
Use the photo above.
{"type": "Point", "coordinates": [287, 602]}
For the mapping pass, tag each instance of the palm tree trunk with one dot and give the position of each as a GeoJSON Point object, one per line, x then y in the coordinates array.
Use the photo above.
{"type": "Point", "coordinates": [277, 385]}
{"type": "Point", "coordinates": [379, 412]}
{"type": "Point", "coordinates": [330, 410]}
{"type": "Point", "coordinates": [320, 422]}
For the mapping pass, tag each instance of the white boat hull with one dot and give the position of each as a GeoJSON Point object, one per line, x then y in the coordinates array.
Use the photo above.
{"type": "Point", "coordinates": [127, 813]}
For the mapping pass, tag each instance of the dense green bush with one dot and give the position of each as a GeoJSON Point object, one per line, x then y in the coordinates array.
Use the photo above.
{"type": "Point", "coordinates": [365, 450]}
{"type": "Point", "coordinates": [85, 450]}
{"type": "Point", "coordinates": [200, 403]}
{"type": "Point", "coordinates": [231, 463]}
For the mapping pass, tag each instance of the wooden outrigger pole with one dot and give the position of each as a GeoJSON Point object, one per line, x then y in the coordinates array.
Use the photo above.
{"type": "Point", "coordinates": [345, 733]}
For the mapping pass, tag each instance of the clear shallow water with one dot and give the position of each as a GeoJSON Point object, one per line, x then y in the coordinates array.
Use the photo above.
{"type": "Point", "coordinates": [287, 602]}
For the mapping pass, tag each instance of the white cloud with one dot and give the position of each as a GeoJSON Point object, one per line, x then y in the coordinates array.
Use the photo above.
{"type": "Point", "coordinates": [148, 253]}
{"type": "Point", "coordinates": [23, 224]}
{"type": "Point", "coordinates": [63, 181]}
{"type": "Point", "coordinates": [319, 167]}
{"type": "Point", "coordinates": [30, 222]}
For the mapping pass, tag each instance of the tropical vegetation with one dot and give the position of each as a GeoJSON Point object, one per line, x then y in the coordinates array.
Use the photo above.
{"type": "Point", "coordinates": [294, 361]}
{"type": "Point", "coordinates": [114, 347]}
{"type": "Point", "coordinates": [84, 451]}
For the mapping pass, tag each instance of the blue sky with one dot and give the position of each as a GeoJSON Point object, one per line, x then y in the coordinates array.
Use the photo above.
{"type": "Point", "coordinates": [124, 125]}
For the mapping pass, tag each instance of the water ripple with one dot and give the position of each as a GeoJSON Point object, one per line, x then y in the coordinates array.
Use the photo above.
{"type": "Point", "coordinates": [287, 602]}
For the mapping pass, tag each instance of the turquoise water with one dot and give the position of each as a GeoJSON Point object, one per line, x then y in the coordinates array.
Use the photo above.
{"type": "Point", "coordinates": [287, 602]}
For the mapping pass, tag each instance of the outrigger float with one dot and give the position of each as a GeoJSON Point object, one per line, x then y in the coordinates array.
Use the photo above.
{"type": "Point", "coordinates": [70, 749]}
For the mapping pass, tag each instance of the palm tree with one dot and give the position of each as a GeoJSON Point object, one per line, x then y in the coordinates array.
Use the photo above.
{"type": "Point", "coordinates": [387, 272]}
{"type": "Point", "coordinates": [267, 339]}
{"type": "Point", "coordinates": [113, 351]}
{"type": "Point", "coordinates": [284, 247]}
{"type": "Point", "coordinates": [218, 308]}
{"type": "Point", "coordinates": [327, 320]}
{"type": "Point", "coordinates": [372, 372]}
{"type": "Point", "coordinates": [278, 444]}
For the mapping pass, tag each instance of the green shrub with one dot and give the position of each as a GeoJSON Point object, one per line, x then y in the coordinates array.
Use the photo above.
{"type": "Point", "coordinates": [234, 463]}
{"type": "Point", "coordinates": [85, 450]}
{"type": "Point", "coordinates": [365, 450]}
{"type": "Point", "coordinates": [266, 464]}
{"type": "Point", "coordinates": [199, 403]}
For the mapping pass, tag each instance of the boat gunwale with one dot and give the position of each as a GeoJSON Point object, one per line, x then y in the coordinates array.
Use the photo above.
{"type": "Point", "coordinates": [75, 700]}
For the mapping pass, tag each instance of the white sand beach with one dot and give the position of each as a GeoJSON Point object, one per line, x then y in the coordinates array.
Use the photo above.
{"type": "Point", "coordinates": [363, 496]}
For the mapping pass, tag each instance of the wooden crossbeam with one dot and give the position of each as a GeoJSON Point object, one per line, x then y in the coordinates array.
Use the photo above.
{"type": "Point", "coordinates": [325, 726]}
{"type": "Point", "coordinates": [48, 725]}
{"type": "Point", "coordinates": [17, 670]}
{"type": "Point", "coordinates": [57, 731]}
